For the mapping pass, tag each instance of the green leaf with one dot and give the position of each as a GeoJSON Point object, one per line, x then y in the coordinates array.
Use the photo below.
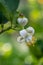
{"type": "Point", "coordinates": [11, 5]}
{"type": "Point", "coordinates": [2, 8]}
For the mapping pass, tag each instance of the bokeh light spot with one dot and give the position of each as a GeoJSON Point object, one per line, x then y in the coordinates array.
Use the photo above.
{"type": "Point", "coordinates": [40, 1]}
{"type": "Point", "coordinates": [6, 49]}
{"type": "Point", "coordinates": [35, 15]}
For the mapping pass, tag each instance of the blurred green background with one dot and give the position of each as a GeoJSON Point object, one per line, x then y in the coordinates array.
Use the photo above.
{"type": "Point", "coordinates": [17, 53]}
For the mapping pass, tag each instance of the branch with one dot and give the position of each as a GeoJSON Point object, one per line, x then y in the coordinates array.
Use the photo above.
{"type": "Point", "coordinates": [5, 30]}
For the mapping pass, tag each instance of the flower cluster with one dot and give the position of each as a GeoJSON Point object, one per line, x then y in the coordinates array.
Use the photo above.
{"type": "Point", "coordinates": [27, 35]}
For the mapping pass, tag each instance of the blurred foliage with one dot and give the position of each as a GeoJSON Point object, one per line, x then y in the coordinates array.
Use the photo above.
{"type": "Point", "coordinates": [3, 19]}
{"type": "Point", "coordinates": [40, 61]}
{"type": "Point", "coordinates": [37, 50]}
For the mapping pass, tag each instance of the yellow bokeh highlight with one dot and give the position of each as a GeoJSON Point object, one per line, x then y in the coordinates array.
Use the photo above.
{"type": "Point", "coordinates": [40, 1]}
{"type": "Point", "coordinates": [35, 15]}
{"type": "Point", "coordinates": [31, 1]}
{"type": "Point", "coordinates": [5, 50]}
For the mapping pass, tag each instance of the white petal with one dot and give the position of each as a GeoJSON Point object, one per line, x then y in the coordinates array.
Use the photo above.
{"type": "Point", "coordinates": [20, 39]}
{"type": "Point", "coordinates": [23, 33]}
{"type": "Point", "coordinates": [29, 39]}
{"type": "Point", "coordinates": [25, 21]}
{"type": "Point", "coordinates": [19, 20]}
{"type": "Point", "coordinates": [30, 30]}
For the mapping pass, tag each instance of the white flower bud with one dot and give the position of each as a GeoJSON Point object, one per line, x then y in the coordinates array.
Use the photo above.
{"type": "Point", "coordinates": [23, 33]}
{"type": "Point", "coordinates": [22, 21]}
{"type": "Point", "coordinates": [30, 30]}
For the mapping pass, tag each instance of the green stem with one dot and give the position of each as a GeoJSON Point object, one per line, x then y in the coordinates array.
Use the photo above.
{"type": "Point", "coordinates": [22, 27]}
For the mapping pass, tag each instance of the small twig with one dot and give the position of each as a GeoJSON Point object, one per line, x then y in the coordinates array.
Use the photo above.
{"type": "Point", "coordinates": [5, 30]}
